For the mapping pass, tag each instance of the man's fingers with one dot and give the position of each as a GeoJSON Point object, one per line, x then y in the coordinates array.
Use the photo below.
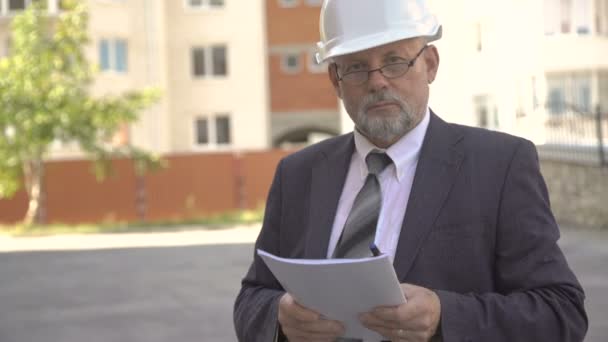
{"type": "Point", "coordinates": [374, 322]}
{"type": "Point", "coordinates": [291, 308]}
{"type": "Point", "coordinates": [300, 323]}
{"type": "Point", "coordinates": [410, 290]}
{"type": "Point", "coordinates": [392, 314]}
{"type": "Point", "coordinates": [321, 326]}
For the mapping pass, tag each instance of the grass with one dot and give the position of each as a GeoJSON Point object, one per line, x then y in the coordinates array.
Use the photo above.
{"type": "Point", "coordinates": [219, 221]}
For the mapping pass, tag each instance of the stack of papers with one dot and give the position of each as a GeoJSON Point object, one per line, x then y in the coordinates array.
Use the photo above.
{"type": "Point", "coordinates": [339, 289]}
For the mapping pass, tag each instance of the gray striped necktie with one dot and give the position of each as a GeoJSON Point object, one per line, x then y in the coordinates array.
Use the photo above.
{"type": "Point", "coordinates": [360, 227]}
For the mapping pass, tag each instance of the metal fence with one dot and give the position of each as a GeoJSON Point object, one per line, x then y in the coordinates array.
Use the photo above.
{"type": "Point", "coordinates": [574, 135]}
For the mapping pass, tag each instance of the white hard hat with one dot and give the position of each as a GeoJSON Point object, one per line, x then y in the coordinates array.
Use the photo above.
{"type": "Point", "coordinates": [349, 26]}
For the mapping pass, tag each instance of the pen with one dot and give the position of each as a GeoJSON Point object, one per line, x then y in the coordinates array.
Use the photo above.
{"type": "Point", "coordinates": [374, 249]}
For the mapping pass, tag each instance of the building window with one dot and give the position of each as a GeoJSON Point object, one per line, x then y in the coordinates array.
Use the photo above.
{"type": "Point", "coordinates": [213, 131]}
{"type": "Point", "coordinates": [198, 61]}
{"type": "Point", "coordinates": [603, 91]}
{"type": "Point", "coordinates": [570, 16]}
{"type": "Point", "coordinates": [218, 54]}
{"type": "Point", "coordinates": [569, 92]}
{"type": "Point", "coordinates": [12, 6]}
{"type": "Point", "coordinates": [16, 5]}
{"type": "Point", "coordinates": [581, 86]}
{"type": "Point", "coordinates": [210, 61]}
{"type": "Point", "coordinates": [482, 110]}
{"type": "Point", "coordinates": [104, 55]}
{"type": "Point", "coordinates": [113, 55]}
{"type": "Point", "coordinates": [222, 129]}
{"type": "Point", "coordinates": [582, 17]}
{"type": "Point", "coordinates": [313, 65]}
{"type": "Point", "coordinates": [121, 55]}
{"type": "Point", "coordinates": [203, 4]}
{"type": "Point", "coordinates": [202, 131]}
{"type": "Point", "coordinates": [290, 63]}
{"type": "Point", "coordinates": [557, 102]}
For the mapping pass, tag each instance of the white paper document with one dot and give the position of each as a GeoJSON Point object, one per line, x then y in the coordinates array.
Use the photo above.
{"type": "Point", "coordinates": [339, 289]}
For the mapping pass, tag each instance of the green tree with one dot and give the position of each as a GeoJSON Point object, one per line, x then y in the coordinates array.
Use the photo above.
{"type": "Point", "coordinates": [44, 97]}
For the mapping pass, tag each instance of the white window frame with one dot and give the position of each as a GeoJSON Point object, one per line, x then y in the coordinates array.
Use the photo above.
{"type": "Point", "coordinates": [580, 13]}
{"type": "Point", "coordinates": [209, 68]}
{"type": "Point", "coordinates": [285, 66]}
{"type": "Point", "coordinates": [5, 11]}
{"type": "Point", "coordinates": [582, 16]}
{"type": "Point", "coordinates": [212, 131]}
{"type": "Point", "coordinates": [113, 69]}
{"type": "Point", "coordinates": [204, 6]}
{"type": "Point", "coordinates": [289, 3]}
{"type": "Point", "coordinates": [53, 6]}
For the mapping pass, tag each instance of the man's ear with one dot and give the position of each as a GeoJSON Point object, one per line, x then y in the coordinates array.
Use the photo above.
{"type": "Point", "coordinates": [431, 58]}
{"type": "Point", "coordinates": [332, 70]}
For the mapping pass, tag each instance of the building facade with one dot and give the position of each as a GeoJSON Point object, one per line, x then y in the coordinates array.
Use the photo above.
{"type": "Point", "coordinates": [303, 104]}
{"type": "Point", "coordinates": [206, 56]}
{"type": "Point", "coordinates": [517, 77]}
{"type": "Point", "coordinates": [242, 74]}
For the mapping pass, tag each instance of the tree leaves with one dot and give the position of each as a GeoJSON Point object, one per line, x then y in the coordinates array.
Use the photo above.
{"type": "Point", "coordinates": [44, 96]}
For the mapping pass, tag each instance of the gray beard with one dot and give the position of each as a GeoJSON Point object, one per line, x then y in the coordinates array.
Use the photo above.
{"type": "Point", "coordinates": [384, 129]}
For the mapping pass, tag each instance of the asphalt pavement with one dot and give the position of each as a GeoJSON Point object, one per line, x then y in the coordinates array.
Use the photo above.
{"type": "Point", "coordinates": [174, 286]}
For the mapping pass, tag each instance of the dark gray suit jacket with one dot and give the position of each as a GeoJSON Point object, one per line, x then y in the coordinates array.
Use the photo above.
{"type": "Point", "coordinates": [478, 230]}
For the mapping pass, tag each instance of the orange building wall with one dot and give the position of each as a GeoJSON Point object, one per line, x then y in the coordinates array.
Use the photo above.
{"type": "Point", "coordinates": [191, 186]}
{"type": "Point", "coordinates": [299, 24]}
{"type": "Point", "coordinates": [14, 209]}
{"type": "Point", "coordinates": [300, 91]}
{"type": "Point", "coordinates": [73, 194]}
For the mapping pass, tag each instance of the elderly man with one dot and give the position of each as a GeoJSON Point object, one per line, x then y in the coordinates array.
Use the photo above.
{"type": "Point", "coordinates": [463, 212]}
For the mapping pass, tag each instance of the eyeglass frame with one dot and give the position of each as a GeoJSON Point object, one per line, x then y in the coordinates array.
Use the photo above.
{"type": "Point", "coordinates": [409, 65]}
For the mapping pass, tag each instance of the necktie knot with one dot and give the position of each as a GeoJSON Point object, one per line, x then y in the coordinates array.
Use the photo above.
{"type": "Point", "coordinates": [377, 161]}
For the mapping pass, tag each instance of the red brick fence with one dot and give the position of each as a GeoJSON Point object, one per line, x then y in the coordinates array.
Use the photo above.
{"type": "Point", "coordinates": [192, 185]}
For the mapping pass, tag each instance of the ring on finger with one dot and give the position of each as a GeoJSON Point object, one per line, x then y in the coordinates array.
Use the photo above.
{"type": "Point", "coordinates": [400, 333]}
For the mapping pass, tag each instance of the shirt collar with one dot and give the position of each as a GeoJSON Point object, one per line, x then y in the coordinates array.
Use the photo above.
{"type": "Point", "coordinates": [404, 152]}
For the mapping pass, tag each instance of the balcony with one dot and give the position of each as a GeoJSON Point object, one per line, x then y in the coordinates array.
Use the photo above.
{"type": "Point", "coordinates": [572, 52]}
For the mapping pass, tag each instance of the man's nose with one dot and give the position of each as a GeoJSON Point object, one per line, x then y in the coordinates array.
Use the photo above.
{"type": "Point", "coordinates": [376, 80]}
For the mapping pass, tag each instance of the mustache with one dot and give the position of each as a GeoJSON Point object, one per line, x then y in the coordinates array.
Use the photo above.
{"type": "Point", "coordinates": [385, 96]}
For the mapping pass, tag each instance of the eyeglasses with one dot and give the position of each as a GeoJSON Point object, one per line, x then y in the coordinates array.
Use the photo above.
{"type": "Point", "coordinates": [392, 70]}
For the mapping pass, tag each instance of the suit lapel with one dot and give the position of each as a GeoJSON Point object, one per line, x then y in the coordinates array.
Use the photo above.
{"type": "Point", "coordinates": [327, 180]}
{"type": "Point", "coordinates": [436, 172]}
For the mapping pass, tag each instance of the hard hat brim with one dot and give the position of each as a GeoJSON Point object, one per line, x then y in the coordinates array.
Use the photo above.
{"type": "Point", "coordinates": [340, 45]}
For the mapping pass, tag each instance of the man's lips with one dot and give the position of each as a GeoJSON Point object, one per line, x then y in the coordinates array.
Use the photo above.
{"type": "Point", "coordinates": [382, 104]}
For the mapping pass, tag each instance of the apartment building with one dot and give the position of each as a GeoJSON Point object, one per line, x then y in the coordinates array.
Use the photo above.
{"type": "Point", "coordinates": [303, 104]}
{"type": "Point", "coordinates": [510, 65]}
{"type": "Point", "coordinates": [576, 54]}
{"type": "Point", "coordinates": [206, 56]}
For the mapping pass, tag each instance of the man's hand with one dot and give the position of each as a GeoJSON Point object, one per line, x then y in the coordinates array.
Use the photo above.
{"type": "Point", "coordinates": [416, 320]}
{"type": "Point", "coordinates": [301, 324]}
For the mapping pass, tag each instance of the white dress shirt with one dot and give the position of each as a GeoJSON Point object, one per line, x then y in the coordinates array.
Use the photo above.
{"type": "Point", "coordinates": [395, 181]}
